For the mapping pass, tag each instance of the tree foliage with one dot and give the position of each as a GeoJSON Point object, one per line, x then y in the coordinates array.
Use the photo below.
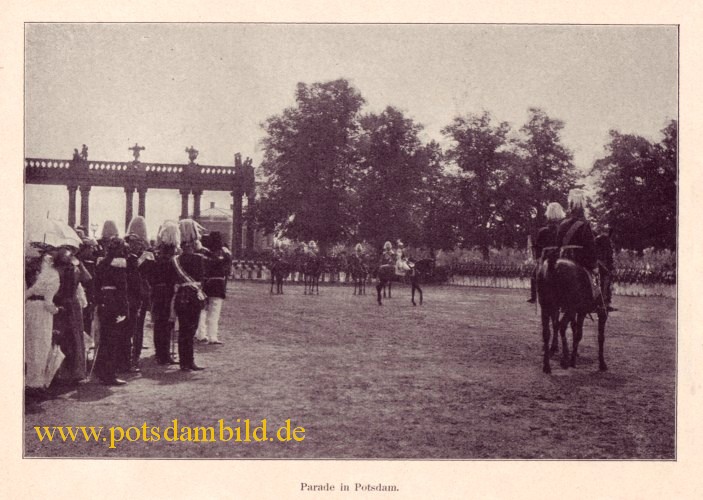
{"type": "Point", "coordinates": [393, 170]}
{"type": "Point", "coordinates": [637, 189]}
{"type": "Point", "coordinates": [310, 163]}
{"type": "Point", "coordinates": [487, 180]}
{"type": "Point", "coordinates": [548, 165]}
{"type": "Point", "coordinates": [335, 174]}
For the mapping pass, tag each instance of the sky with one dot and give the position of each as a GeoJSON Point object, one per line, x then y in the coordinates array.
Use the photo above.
{"type": "Point", "coordinates": [170, 86]}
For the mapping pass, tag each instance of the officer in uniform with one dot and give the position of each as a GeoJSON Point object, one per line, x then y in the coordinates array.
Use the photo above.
{"type": "Point", "coordinates": [575, 238]}
{"type": "Point", "coordinates": [606, 264]}
{"type": "Point", "coordinates": [546, 238]}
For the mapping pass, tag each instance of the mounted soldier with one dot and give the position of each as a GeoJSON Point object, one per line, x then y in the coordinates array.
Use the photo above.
{"type": "Point", "coordinates": [388, 257]}
{"type": "Point", "coordinates": [576, 241]}
{"type": "Point", "coordinates": [546, 240]}
{"type": "Point", "coordinates": [401, 262]}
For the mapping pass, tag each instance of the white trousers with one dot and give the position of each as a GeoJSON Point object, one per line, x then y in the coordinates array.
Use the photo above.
{"type": "Point", "coordinates": [201, 333]}
{"type": "Point", "coordinates": [208, 326]}
{"type": "Point", "coordinates": [213, 317]}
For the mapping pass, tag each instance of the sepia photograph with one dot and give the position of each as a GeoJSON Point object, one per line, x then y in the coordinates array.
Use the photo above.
{"type": "Point", "coordinates": [350, 242]}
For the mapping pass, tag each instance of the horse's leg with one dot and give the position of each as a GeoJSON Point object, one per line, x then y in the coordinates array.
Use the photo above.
{"type": "Point", "coordinates": [273, 276]}
{"type": "Point", "coordinates": [602, 318]}
{"type": "Point", "coordinates": [412, 286]}
{"type": "Point", "coordinates": [554, 319]}
{"type": "Point", "coordinates": [390, 283]}
{"type": "Point", "coordinates": [317, 284]}
{"type": "Point", "coordinates": [563, 325]}
{"type": "Point", "coordinates": [378, 291]}
{"type": "Point", "coordinates": [547, 317]}
{"type": "Point", "coordinates": [417, 285]}
{"type": "Point", "coordinates": [577, 328]}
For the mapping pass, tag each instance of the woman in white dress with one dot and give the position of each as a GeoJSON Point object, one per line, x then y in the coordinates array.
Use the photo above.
{"type": "Point", "coordinates": [39, 312]}
{"type": "Point", "coordinates": [401, 263]}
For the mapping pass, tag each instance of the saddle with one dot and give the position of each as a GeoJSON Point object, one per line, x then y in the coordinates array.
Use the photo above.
{"type": "Point", "coordinates": [593, 278]}
{"type": "Point", "coordinates": [549, 253]}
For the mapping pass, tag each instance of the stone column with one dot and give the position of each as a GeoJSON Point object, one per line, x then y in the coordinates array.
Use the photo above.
{"type": "Point", "coordinates": [237, 224]}
{"type": "Point", "coordinates": [196, 203]}
{"type": "Point", "coordinates": [85, 207]}
{"type": "Point", "coordinates": [72, 205]}
{"type": "Point", "coordinates": [250, 225]}
{"type": "Point", "coordinates": [142, 201]}
{"type": "Point", "coordinates": [129, 206]}
{"type": "Point", "coordinates": [184, 203]}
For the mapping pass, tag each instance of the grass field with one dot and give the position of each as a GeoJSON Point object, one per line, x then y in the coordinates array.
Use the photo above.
{"type": "Point", "coordinates": [459, 377]}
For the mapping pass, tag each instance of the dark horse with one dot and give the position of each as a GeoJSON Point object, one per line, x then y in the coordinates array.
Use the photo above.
{"type": "Point", "coordinates": [312, 269]}
{"type": "Point", "coordinates": [279, 271]}
{"type": "Point", "coordinates": [386, 274]}
{"type": "Point", "coordinates": [359, 272]}
{"type": "Point", "coordinates": [564, 286]}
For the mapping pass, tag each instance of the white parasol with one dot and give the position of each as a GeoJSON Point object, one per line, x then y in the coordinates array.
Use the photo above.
{"type": "Point", "coordinates": [53, 232]}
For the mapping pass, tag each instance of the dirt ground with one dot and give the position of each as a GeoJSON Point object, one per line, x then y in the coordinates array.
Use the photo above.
{"type": "Point", "coordinates": [457, 378]}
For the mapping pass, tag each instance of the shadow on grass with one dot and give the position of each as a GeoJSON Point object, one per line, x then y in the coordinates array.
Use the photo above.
{"type": "Point", "coordinates": [167, 376]}
{"type": "Point", "coordinates": [87, 393]}
{"type": "Point", "coordinates": [33, 406]}
{"type": "Point", "coordinates": [588, 376]}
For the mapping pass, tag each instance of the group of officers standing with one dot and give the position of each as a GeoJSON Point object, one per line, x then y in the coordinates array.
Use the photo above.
{"type": "Point", "coordinates": [133, 278]}
{"type": "Point", "coordinates": [106, 287]}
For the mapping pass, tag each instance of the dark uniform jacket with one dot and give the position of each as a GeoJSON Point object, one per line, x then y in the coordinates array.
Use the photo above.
{"type": "Point", "coordinates": [217, 271]}
{"type": "Point", "coordinates": [111, 288]}
{"type": "Point", "coordinates": [583, 237]}
{"type": "Point", "coordinates": [194, 264]}
{"type": "Point", "coordinates": [162, 279]}
{"type": "Point", "coordinates": [136, 290]}
{"type": "Point", "coordinates": [604, 251]}
{"type": "Point", "coordinates": [388, 258]}
{"type": "Point", "coordinates": [546, 237]}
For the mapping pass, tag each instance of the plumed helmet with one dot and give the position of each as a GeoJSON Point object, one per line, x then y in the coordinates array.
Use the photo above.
{"type": "Point", "coordinates": [554, 211]}
{"type": "Point", "coordinates": [109, 230]}
{"type": "Point", "coordinates": [137, 227]}
{"type": "Point", "coordinates": [387, 245]}
{"type": "Point", "coordinates": [190, 230]}
{"type": "Point", "coordinates": [358, 248]}
{"type": "Point", "coordinates": [577, 199]}
{"type": "Point", "coordinates": [168, 234]}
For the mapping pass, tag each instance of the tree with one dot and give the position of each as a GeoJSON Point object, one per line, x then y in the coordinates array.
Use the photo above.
{"type": "Point", "coordinates": [548, 165]}
{"type": "Point", "coordinates": [310, 164]}
{"type": "Point", "coordinates": [487, 179]}
{"type": "Point", "coordinates": [393, 170]}
{"type": "Point", "coordinates": [437, 212]}
{"type": "Point", "coordinates": [637, 189]}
